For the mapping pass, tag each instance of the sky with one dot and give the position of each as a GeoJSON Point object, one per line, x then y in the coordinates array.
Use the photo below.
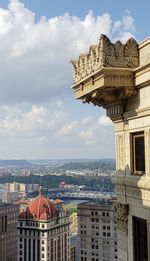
{"type": "Point", "coordinates": [39, 117]}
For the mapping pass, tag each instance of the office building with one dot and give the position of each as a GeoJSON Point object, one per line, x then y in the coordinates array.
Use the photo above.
{"type": "Point", "coordinates": [43, 231]}
{"type": "Point", "coordinates": [8, 232]}
{"type": "Point", "coordinates": [116, 76]}
{"type": "Point", "coordinates": [97, 232]}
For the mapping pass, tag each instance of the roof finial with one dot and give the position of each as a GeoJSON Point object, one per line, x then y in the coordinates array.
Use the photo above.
{"type": "Point", "coordinates": [40, 189]}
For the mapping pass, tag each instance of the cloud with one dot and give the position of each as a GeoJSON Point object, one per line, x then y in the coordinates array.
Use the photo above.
{"type": "Point", "coordinates": [86, 120]}
{"type": "Point", "coordinates": [33, 123]}
{"type": "Point", "coordinates": [36, 119]}
{"type": "Point", "coordinates": [68, 129]}
{"type": "Point", "coordinates": [88, 135]}
{"type": "Point", "coordinates": [34, 64]}
{"type": "Point", "coordinates": [104, 121]}
{"type": "Point", "coordinates": [39, 131]}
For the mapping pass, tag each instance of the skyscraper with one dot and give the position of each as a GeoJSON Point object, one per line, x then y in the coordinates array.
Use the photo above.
{"type": "Point", "coordinates": [8, 232]}
{"type": "Point", "coordinates": [43, 231]}
{"type": "Point", "coordinates": [97, 232]}
{"type": "Point", "coordinates": [116, 76]}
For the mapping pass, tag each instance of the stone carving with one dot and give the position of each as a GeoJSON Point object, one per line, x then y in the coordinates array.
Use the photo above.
{"type": "Point", "coordinates": [105, 54]}
{"type": "Point", "coordinates": [121, 213]}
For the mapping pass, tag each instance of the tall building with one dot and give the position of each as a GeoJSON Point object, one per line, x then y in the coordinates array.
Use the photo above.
{"type": "Point", "coordinates": [43, 231]}
{"type": "Point", "coordinates": [116, 76]}
{"type": "Point", "coordinates": [9, 196]}
{"type": "Point", "coordinates": [97, 232]}
{"type": "Point", "coordinates": [8, 232]}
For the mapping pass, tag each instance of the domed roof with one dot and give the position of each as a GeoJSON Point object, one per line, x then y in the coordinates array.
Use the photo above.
{"type": "Point", "coordinates": [41, 208]}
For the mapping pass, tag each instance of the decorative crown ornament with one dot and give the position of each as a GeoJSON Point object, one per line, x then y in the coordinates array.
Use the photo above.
{"type": "Point", "coordinates": [105, 54]}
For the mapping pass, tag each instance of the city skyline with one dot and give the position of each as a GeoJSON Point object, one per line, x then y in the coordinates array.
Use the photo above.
{"type": "Point", "coordinates": [39, 117]}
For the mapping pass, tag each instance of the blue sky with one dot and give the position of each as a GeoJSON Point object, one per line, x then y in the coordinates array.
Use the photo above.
{"type": "Point", "coordinates": [39, 117]}
{"type": "Point", "coordinates": [49, 8]}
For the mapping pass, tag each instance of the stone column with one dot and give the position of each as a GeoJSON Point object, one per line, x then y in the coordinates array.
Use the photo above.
{"type": "Point", "coordinates": [121, 213]}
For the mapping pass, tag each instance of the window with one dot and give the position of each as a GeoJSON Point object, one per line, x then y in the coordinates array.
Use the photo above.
{"type": "Point", "coordinates": [138, 153]}
{"type": "Point", "coordinates": [140, 239]}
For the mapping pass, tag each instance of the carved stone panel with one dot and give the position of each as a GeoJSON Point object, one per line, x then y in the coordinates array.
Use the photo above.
{"type": "Point", "coordinates": [121, 213]}
{"type": "Point", "coordinates": [120, 151]}
{"type": "Point", "coordinates": [105, 54]}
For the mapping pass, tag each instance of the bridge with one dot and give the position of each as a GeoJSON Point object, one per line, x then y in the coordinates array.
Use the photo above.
{"type": "Point", "coordinates": [66, 194]}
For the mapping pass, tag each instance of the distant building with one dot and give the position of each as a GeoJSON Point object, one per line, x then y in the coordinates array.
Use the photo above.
{"type": "Point", "coordinates": [97, 234]}
{"type": "Point", "coordinates": [43, 231]}
{"type": "Point", "coordinates": [73, 247]}
{"type": "Point", "coordinates": [21, 187]}
{"type": "Point", "coordinates": [32, 187]}
{"type": "Point", "coordinates": [9, 196]}
{"type": "Point", "coordinates": [14, 186]}
{"type": "Point", "coordinates": [8, 232]}
{"type": "Point", "coordinates": [72, 253]}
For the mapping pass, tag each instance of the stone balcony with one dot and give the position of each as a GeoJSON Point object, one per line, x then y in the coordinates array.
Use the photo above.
{"type": "Point", "coordinates": [105, 75]}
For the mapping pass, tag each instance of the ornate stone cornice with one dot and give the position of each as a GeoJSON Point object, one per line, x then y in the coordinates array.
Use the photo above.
{"type": "Point", "coordinates": [105, 76]}
{"type": "Point", "coordinates": [121, 213]}
{"type": "Point", "coordinates": [105, 54]}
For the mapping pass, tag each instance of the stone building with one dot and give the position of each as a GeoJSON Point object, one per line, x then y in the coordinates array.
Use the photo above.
{"type": "Point", "coordinates": [97, 232]}
{"type": "Point", "coordinates": [8, 232]}
{"type": "Point", "coordinates": [43, 231]}
{"type": "Point", "coordinates": [116, 76]}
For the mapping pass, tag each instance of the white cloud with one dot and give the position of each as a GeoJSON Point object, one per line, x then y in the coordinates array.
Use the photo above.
{"type": "Point", "coordinates": [86, 120]}
{"type": "Point", "coordinates": [88, 135]}
{"type": "Point", "coordinates": [35, 122]}
{"type": "Point", "coordinates": [68, 129]}
{"type": "Point", "coordinates": [128, 23]}
{"type": "Point", "coordinates": [34, 64]}
{"type": "Point", "coordinates": [105, 121]}
{"type": "Point", "coordinates": [34, 68]}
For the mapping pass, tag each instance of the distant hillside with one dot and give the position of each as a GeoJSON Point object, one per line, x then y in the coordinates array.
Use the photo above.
{"type": "Point", "coordinates": [102, 165]}
{"type": "Point", "coordinates": [15, 163]}
{"type": "Point", "coordinates": [56, 164]}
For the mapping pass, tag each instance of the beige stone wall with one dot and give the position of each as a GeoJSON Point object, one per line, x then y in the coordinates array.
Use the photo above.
{"type": "Point", "coordinates": [117, 77]}
{"type": "Point", "coordinates": [134, 189]}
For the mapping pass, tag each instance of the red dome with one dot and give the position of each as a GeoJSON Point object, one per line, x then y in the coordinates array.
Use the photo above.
{"type": "Point", "coordinates": [41, 208]}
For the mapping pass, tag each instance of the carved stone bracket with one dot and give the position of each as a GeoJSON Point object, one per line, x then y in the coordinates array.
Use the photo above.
{"type": "Point", "coordinates": [105, 76]}
{"type": "Point", "coordinates": [121, 213]}
{"type": "Point", "coordinates": [113, 100]}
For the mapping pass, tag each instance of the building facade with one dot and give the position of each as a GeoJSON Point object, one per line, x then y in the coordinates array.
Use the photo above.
{"type": "Point", "coordinates": [43, 231]}
{"type": "Point", "coordinates": [8, 232]}
{"type": "Point", "coordinates": [116, 76]}
{"type": "Point", "coordinates": [97, 232]}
